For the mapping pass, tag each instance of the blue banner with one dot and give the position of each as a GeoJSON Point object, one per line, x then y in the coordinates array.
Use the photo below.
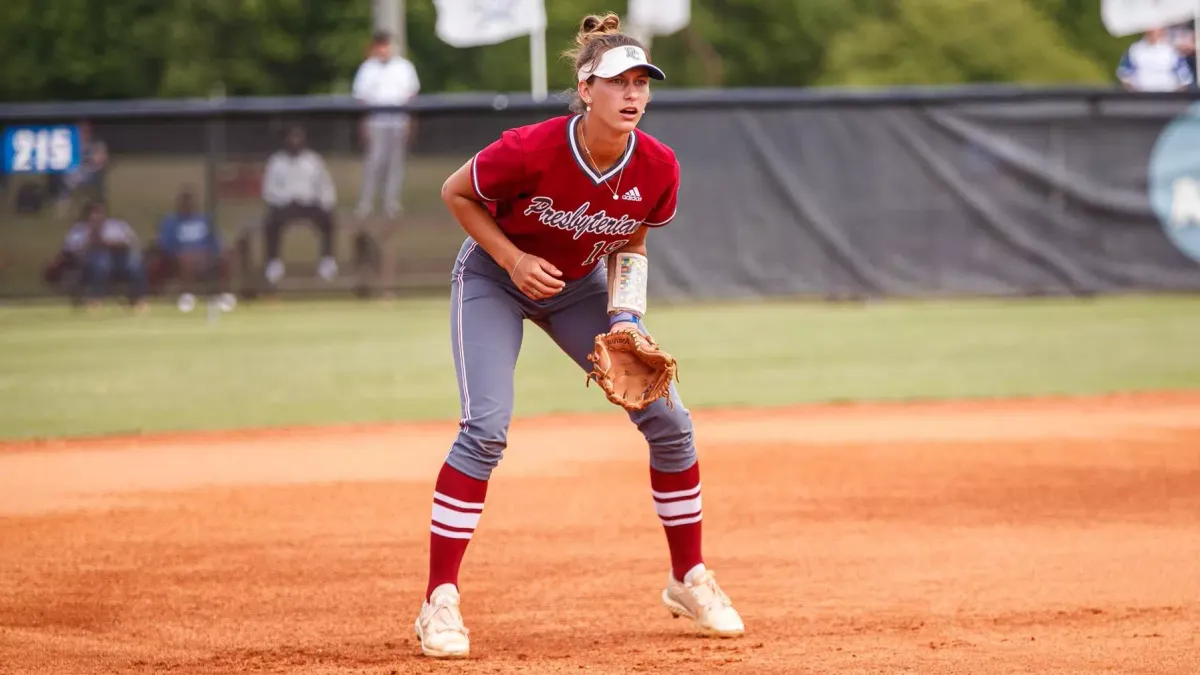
{"type": "Point", "coordinates": [42, 149]}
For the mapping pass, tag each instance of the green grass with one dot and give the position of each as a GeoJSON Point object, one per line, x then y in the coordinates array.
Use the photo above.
{"type": "Point", "coordinates": [66, 373]}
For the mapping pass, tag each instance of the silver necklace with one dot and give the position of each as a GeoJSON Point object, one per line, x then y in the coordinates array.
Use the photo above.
{"type": "Point", "coordinates": [621, 174]}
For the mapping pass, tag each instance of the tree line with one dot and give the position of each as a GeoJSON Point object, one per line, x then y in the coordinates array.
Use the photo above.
{"type": "Point", "coordinates": [118, 49]}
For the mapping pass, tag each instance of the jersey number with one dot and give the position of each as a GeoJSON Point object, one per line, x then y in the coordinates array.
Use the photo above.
{"type": "Point", "coordinates": [603, 249]}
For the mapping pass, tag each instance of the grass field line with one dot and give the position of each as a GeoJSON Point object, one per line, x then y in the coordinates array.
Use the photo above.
{"type": "Point", "coordinates": [347, 363]}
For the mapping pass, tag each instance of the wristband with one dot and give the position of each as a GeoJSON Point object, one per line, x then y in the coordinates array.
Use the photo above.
{"type": "Point", "coordinates": [627, 286]}
{"type": "Point", "coordinates": [618, 317]}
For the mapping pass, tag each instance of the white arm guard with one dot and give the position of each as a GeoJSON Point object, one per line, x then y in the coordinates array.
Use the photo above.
{"type": "Point", "coordinates": [627, 291]}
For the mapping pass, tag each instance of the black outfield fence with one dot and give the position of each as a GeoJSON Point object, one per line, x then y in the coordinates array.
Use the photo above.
{"type": "Point", "coordinates": [913, 192]}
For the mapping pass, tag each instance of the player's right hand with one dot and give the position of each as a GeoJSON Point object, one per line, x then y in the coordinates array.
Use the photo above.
{"type": "Point", "coordinates": [536, 277]}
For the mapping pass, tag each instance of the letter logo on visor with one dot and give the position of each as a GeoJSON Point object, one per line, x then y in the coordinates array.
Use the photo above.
{"type": "Point", "coordinates": [618, 60]}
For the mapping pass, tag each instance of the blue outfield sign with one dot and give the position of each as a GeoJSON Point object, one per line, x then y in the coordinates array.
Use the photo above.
{"type": "Point", "coordinates": [42, 149]}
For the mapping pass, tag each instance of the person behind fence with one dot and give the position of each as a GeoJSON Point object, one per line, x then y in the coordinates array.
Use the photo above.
{"type": "Point", "coordinates": [1154, 64]}
{"type": "Point", "coordinates": [189, 249]}
{"type": "Point", "coordinates": [90, 177]}
{"type": "Point", "coordinates": [109, 252]}
{"type": "Point", "coordinates": [297, 186]}
{"type": "Point", "coordinates": [384, 79]}
{"type": "Point", "coordinates": [1183, 36]}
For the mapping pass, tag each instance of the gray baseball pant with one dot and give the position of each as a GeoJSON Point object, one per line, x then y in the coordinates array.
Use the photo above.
{"type": "Point", "coordinates": [486, 320]}
{"type": "Point", "coordinates": [385, 161]}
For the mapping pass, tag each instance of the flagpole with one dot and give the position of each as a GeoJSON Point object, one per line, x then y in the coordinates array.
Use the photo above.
{"type": "Point", "coordinates": [537, 63]}
{"type": "Point", "coordinates": [388, 15]}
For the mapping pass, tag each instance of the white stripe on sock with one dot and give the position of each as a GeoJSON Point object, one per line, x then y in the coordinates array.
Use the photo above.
{"type": "Point", "coordinates": [457, 502]}
{"type": "Point", "coordinates": [681, 508]}
{"type": "Point", "coordinates": [690, 492]}
{"type": "Point", "coordinates": [449, 533]}
{"type": "Point", "coordinates": [452, 518]}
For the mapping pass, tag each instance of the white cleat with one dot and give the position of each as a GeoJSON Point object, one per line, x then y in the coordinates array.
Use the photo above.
{"type": "Point", "coordinates": [226, 302]}
{"type": "Point", "coordinates": [703, 601]}
{"type": "Point", "coordinates": [440, 625]}
{"type": "Point", "coordinates": [186, 302]}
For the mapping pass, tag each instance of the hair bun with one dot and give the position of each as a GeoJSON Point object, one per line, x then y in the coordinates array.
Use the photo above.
{"type": "Point", "coordinates": [594, 26]}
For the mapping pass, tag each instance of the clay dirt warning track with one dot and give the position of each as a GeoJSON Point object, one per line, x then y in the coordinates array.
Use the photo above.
{"type": "Point", "coordinates": [990, 537]}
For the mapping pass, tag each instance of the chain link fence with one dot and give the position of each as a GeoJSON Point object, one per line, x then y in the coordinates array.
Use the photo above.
{"type": "Point", "coordinates": [784, 142]}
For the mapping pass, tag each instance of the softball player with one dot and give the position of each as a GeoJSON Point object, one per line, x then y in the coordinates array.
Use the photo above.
{"type": "Point", "coordinates": [554, 212]}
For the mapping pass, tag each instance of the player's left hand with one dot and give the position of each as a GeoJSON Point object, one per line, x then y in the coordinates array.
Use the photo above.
{"type": "Point", "coordinates": [624, 325]}
{"type": "Point", "coordinates": [631, 368]}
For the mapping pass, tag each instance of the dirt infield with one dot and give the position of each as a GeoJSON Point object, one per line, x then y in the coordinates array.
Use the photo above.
{"type": "Point", "coordinates": [989, 537]}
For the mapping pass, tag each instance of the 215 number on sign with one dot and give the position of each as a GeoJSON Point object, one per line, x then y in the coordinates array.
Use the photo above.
{"type": "Point", "coordinates": [41, 149]}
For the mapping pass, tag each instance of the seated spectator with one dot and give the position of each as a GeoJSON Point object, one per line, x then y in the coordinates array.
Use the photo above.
{"type": "Point", "coordinates": [189, 249]}
{"type": "Point", "coordinates": [297, 185]}
{"type": "Point", "coordinates": [90, 177]}
{"type": "Point", "coordinates": [1154, 64]}
{"type": "Point", "coordinates": [108, 250]}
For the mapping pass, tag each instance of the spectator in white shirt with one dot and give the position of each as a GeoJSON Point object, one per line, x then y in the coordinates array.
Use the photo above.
{"type": "Point", "coordinates": [1154, 64]}
{"type": "Point", "coordinates": [108, 250]}
{"type": "Point", "coordinates": [296, 186]}
{"type": "Point", "coordinates": [384, 79]}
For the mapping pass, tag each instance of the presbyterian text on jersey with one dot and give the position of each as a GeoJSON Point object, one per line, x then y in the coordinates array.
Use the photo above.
{"type": "Point", "coordinates": [579, 221]}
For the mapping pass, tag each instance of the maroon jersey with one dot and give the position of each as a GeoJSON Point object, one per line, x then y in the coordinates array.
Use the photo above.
{"type": "Point", "coordinates": [551, 203]}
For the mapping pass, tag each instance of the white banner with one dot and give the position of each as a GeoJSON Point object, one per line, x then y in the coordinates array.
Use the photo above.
{"type": "Point", "coordinates": [1129, 17]}
{"type": "Point", "coordinates": [659, 17]}
{"type": "Point", "coordinates": [470, 23]}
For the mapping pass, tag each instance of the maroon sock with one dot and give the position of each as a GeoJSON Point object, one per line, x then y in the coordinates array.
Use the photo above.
{"type": "Point", "coordinates": [677, 501]}
{"type": "Point", "coordinates": [457, 503]}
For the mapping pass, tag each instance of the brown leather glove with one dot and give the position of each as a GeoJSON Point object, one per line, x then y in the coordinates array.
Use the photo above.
{"type": "Point", "coordinates": [631, 369]}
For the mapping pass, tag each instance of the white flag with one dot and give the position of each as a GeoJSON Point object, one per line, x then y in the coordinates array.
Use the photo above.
{"type": "Point", "coordinates": [659, 17]}
{"type": "Point", "coordinates": [470, 23]}
{"type": "Point", "coordinates": [1128, 17]}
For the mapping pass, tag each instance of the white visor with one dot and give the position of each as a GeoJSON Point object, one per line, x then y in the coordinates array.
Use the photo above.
{"type": "Point", "coordinates": [620, 59]}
